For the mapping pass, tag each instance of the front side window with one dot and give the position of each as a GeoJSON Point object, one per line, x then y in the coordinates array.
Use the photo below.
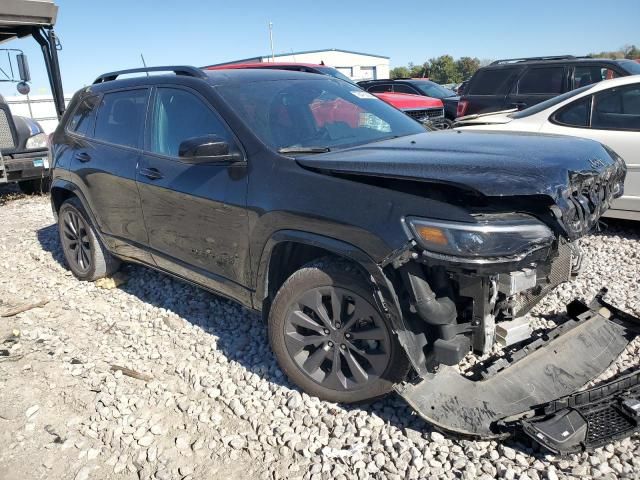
{"type": "Point", "coordinates": [586, 75]}
{"type": "Point", "coordinates": [432, 89]}
{"type": "Point", "coordinates": [179, 115]}
{"type": "Point", "coordinates": [121, 117]}
{"type": "Point", "coordinates": [542, 81]}
{"type": "Point", "coordinates": [617, 109]}
{"type": "Point", "coordinates": [83, 117]}
{"type": "Point", "coordinates": [576, 114]}
{"type": "Point", "coordinates": [319, 113]}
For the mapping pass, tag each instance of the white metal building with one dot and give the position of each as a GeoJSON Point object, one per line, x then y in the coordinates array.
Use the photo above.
{"type": "Point", "coordinates": [355, 65]}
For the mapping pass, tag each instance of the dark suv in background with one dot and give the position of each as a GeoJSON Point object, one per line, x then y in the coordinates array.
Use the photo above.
{"type": "Point", "coordinates": [522, 82]}
{"type": "Point", "coordinates": [416, 86]}
{"type": "Point", "coordinates": [369, 245]}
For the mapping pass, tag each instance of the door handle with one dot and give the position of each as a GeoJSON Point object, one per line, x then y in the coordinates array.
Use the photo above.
{"type": "Point", "coordinates": [151, 173]}
{"type": "Point", "coordinates": [83, 157]}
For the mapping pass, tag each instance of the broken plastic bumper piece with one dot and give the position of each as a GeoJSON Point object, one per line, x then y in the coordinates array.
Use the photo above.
{"type": "Point", "coordinates": [535, 389]}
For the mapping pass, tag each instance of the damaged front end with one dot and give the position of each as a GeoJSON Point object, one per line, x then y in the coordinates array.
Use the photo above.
{"type": "Point", "coordinates": [468, 286]}
{"type": "Point", "coordinates": [533, 388]}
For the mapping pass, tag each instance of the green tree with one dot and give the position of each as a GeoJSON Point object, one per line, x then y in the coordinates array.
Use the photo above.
{"type": "Point", "coordinates": [443, 69]}
{"type": "Point", "coordinates": [399, 72]}
{"type": "Point", "coordinates": [467, 66]}
{"type": "Point", "coordinates": [419, 71]}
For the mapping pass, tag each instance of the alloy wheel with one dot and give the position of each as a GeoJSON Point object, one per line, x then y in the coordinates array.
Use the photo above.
{"type": "Point", "coordinates": [337, 338]}
{"type": "Point", "coordinates": [75, 241]}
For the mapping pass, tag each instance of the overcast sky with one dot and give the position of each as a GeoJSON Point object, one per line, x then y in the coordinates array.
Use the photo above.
{"type": "Point", "coordinates": [100, 36]}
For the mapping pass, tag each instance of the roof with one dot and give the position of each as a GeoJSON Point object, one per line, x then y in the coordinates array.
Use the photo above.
{"type": "Point", "coordinates": [289, 54]}
{"type": "Point", "coordinates": [18, 18]}
{"type": "Point", "coordinates": [224, 66]}
{"type": "Point", "coordinates": [562, 61]}
{"type": "Point", "coordinates": [213, 77]}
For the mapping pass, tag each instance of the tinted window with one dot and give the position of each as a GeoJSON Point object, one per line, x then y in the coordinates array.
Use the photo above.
{"type": "Point", "coordinates": [83, 117]}
{"type": "Point", "coordinates": [617, 109]}
{"type": "Point", "coordinates": [179, 115]}
{"type": "Point", "coordinates": [400, 88]}
{"type": "Point", "coordinates": [385, 87]}
{"type": "Point", "coordinates": [575, 114]}
{"type": "Point", "coordinates": [491, 81]}
{"type": "Point", "coordinates": [121, 117]}
{"type": "Point", "coordinates": [586, 75]}
{"type": "Point", "coordinates": [538, 107]}
{"type": "Point", "coordinates": [546, 80]}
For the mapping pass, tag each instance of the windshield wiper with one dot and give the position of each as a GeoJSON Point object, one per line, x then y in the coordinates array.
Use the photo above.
{"type": "Point", "coordinates": [304, 150]}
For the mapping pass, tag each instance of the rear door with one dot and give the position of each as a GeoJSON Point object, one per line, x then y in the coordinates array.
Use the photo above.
{"type": "Point", "coordinates": [488, 89]}
{"type": "Point", "coordinates": [536, 84]}
{"type": "Point", "coordinates": [104, 162]}
{"type": "Point", "coordinates": [195, 214]}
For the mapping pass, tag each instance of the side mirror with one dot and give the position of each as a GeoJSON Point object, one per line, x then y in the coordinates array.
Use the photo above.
{"type": "Point", "coordinates": [23, 67]}
{"type": "Point", "coordinates": [206, 149]}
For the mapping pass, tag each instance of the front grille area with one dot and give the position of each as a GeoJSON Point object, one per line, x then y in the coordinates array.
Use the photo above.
{"type": "Point", "coordinates": [606, 423]}
{"type": "Point", "coordinates": [6, 138]}
{"type": "Point", "coordinates": [426, 114]}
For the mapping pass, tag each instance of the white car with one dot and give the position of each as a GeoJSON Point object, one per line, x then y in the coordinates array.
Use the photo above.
{"type": "Point", "coordinates": [608, 111]}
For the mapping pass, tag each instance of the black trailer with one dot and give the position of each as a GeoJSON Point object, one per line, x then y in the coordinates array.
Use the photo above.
{"type": "Point", "coordinates": [23, 143]}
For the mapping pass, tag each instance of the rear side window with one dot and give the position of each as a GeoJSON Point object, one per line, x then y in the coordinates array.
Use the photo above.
{"type": "Point", "coordinates": [491, 81]}
{"type": "Point", "coordinates": [179, 115]}
{"type": "Point", "coordinates": [575, 114]}
{"type": "Point", "coordinates": [543, 81]}
{"type": "Point", "coordinates": [84, 116]}
{"type": "Point", "coordinates": [121, 117]}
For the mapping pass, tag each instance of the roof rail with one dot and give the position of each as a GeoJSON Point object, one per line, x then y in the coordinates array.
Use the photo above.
{"type": "Point", "coordinates": [527, 59]}
{"type": "Point", "coordinates": [185, 70]}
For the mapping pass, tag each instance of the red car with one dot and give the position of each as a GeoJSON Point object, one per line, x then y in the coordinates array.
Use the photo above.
{"type": "Point", "coordinates": [421, 108]}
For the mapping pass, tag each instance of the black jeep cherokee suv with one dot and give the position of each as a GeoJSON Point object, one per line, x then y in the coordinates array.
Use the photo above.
{"type": "Point", "coordinates": [523, 82]}
{"type": "Point", "coordinates": [369, 245]}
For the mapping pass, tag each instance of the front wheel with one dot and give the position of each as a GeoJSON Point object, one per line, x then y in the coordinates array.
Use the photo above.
{"type": "Point", "coordinates": [330, 339]}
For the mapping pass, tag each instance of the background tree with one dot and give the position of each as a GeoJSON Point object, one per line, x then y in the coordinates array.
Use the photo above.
{"type": "Point", "coordinates": [467, 66]}
{"type": "Point", "coordinates": [443, 69]}
{"type": "Point", "coordinates": [399, 72]}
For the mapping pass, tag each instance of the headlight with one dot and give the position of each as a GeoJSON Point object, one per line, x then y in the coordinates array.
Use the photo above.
{"type": "Point", "coordinates": [493, 236]}
{"type": "Point", "coordinates": [39, 140]}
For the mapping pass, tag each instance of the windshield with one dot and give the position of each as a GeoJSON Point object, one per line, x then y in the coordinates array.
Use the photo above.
{"type": "Point", "coordinates": [319, 114]}
{"type": "Point", "coordinates": [336, 74]}
{"type": "Point", "coordinates": [548, 103]}
{"type": "Point", "coordinates": [434, 90]}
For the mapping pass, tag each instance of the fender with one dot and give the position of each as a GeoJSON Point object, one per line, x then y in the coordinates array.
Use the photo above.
{"type": "Point", "coordinates": [61, 183]}
{"type": "Point", "coordinates": [384, 293]}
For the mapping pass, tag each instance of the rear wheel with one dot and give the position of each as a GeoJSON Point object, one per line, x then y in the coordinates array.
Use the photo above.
{"type": "Point", "coordinates": [35, 186]}
{"type": "Point", "coordinates": [329, 337]}
{"type": "Point", "coordinates": [85, 255]}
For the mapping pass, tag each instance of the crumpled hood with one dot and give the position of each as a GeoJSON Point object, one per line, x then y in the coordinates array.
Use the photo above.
{"type": "Point", "coordinates": [572, 171]}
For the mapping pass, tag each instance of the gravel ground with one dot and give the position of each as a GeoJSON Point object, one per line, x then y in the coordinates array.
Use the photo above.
{"type": "Point", "coordinates": [216, 404]}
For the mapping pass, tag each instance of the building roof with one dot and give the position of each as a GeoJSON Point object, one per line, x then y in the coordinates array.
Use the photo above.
{"type": "Point", "coordinates": [289, 54]}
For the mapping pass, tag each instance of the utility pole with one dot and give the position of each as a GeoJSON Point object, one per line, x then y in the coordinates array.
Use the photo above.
{"type": "Point", "coordinates": [273, 57]}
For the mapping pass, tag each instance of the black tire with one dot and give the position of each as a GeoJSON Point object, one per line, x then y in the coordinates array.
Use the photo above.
{"type": "Point", "coordinates": [36, 186]}
{"type": "Point", "coordinates": [85, 255]}
{"type": "Point", "coordinates": [379, 363]}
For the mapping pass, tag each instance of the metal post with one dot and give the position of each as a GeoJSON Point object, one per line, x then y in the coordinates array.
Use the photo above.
{"type": "Point", "coordinates": [273, 57]}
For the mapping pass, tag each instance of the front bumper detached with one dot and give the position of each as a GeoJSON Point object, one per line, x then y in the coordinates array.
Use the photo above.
{"type": "Point", "coordinates": [534, 388]}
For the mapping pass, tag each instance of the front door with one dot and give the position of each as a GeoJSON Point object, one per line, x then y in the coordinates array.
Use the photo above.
{"type": "Point", "coordinates": [195, 214]}
{"type": "Point", "coordinates": [536, 85]}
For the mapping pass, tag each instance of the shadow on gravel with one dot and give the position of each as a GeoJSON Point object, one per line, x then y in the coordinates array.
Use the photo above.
{"type": "Point", "coordinates": [242, 337]}
{"type": "Point", "coordinates": [10, 192]}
